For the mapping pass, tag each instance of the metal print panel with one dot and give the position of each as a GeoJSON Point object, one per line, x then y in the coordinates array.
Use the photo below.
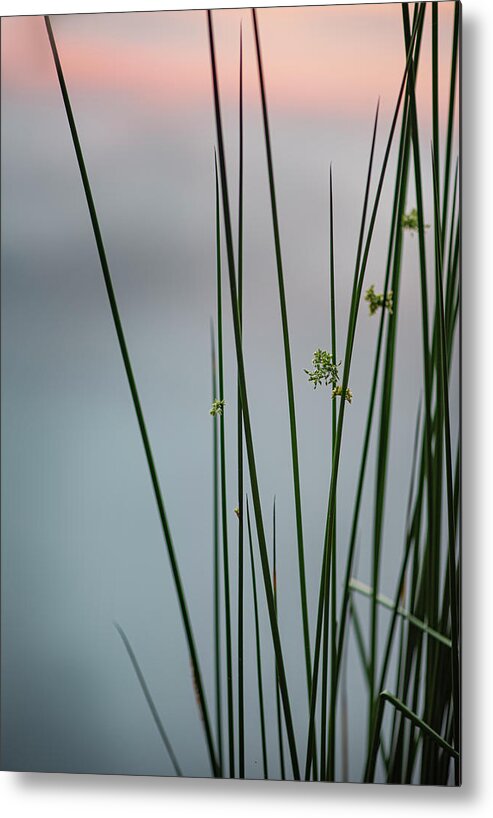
{"type": "Point", "coordinates": [230, 262]}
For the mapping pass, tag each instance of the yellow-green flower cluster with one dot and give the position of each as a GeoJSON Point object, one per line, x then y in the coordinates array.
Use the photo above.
{"type": "Point", "coordinates": [325, 371]}
{"type": "Point", "coordinates": [376, 300]}
{"type": "Point", "coordinates": [217, 407]}
{"type": "Point", "coordinates": [410, 221]}
{"type": "Point", "coordinates": [337, 392]}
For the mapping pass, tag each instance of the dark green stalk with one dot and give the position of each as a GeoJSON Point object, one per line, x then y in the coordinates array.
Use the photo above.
{"type": "Point", "coordinates": [216, 561]}
{"type": "Point", "coordinates": [436, 699]}
{"type": "Point", "coordinates": [136, 401]}
{"type": "Point", "coordinates": [411, 535]}
{"type": "Point", "coordinates": [424, 298]}
{"type": "Point", "coordinates": [287, 362]}
{"type": "Point", "coordinates": [150, 701]}
{"type": "Point", "coordinates": [345, 719]}
{"type": "Point", "coordinates": [400, 661]}
{"type": "Point", "coordinates": [330, 771]}
{"type": "Point", "coordinates": [452, 265]}
{"type": "Point", "coordinates": [384, 426]}
{"type": "Point", "coordinates": [371, 408]}
{"type": "Point", "coordinates": [444, 390]}
{"type": "Point", "coordinates": [258, 651]}
{"type": "Point", "coordinates": [325, 679]}
{"type": "Point", "coordinates": [433, 472]}
{"type": "Point", "coordinates": [326, 562]}
{"type": "Point", "coordinates": [246, 417]}
{"type": "Point", "coordinates": [278, 701]}
{"type": "Point", "coordinates": [224, 500]}
{"type": "Point", "coordinates": [451, 112]}
{"type": "Point", "coordinates": [434, 88]}
{"type": "Point", "coordinates": [417, 30]}
{"type": "Point", "coordinates": [355, 300]}
{"type": "Point", "coordinates": [241, 704]}
{"type": "Point", "coordinates": [325, 646]}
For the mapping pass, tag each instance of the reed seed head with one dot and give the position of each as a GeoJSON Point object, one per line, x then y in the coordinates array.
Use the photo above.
{"type": "Point", "coordinates": [217, 407]}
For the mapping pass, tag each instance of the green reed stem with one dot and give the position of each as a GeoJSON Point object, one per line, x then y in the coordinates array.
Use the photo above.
{"type": "Point", "coordinates": [241, 685]}
{"type": "Point", "coordinates": [224, 499]}
{"type": "Point", "coordinates": [451, 111]}
{"type": "Point", "coordinates": [216, 559]}
{"type": "Point", "coordinates": [331, 739]}
{"type": "Point", "coordinates": [287, 360]}
{"type": "Point", "coordinates": [326, 561]}
{"type": "Point", "coordinates": [443, 378]}
{"type": "Point", "coordinates": [246, 416]}
{"type": "Point", "coordinates": [278, 701]}
{"type": "Point", "coordinates": [359, 275]}
{"type": "Point", "coordinates": [258, 651]}
{"type": "Point", "coordinates": [395, 253]}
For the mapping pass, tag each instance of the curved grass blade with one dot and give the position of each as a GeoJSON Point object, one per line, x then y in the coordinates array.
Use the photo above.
{"type": "Point", "coordinates": [385, 601]}
{"type": "Point", "coordinates": [136, 401]}
{"type": "Point", "coordinates": [385, 696]}
{"type": "Point", "coordinates": [149, 699]}
{"type": "Point", "coordinates": [287, 360]}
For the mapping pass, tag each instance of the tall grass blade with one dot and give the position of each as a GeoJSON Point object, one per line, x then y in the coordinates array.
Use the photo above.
{"type": "Point", "coordinates": [241, 703]}
{"type": "Point", "coordinates": [216, 560]}
{"type": "Point", "coordinates": [258, 650]}
{"type": "Point", "coordinates": [224, 499]}
{"type": "Point", "coordinates": [331, 741]}
{"type": "Point", "coordinates": [278, 701]}
{"type": "Point", "coordinates": [287, 359]}
{"type": "Point", "coordinates": [136, 401]}
{"type": "Point", "coordinates": [359, 275]}
{"type": "Point", "coordinates": [452, 569]}
{"type": "Point", "coordinates": [395, 252]}
{"type": "Point", "coordinates": [451, 112]}
{"type": "Point", "coordinates": [326, 560]}
{"type": "Point", "coordinates": [399, 611]}
{"type": "Point", "coordinates": [246, 416]}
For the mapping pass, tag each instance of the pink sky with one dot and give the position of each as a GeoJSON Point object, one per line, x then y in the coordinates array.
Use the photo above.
{"type": "Point", "coordinates": [339, 58]}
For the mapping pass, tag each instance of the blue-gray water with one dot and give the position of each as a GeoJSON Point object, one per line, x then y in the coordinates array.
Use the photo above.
{"type": "Point", "coordinates": [81, 541]}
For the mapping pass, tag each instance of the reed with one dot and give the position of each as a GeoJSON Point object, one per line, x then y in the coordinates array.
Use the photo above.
{"type": "Point", "coordinates": [187, 625]}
